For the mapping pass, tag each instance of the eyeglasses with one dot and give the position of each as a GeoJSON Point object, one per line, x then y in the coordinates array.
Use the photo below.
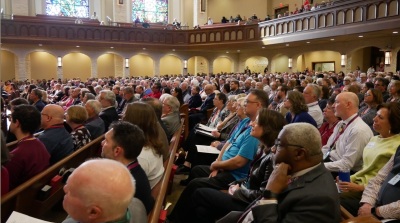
{"type": "Point", "coordinates": [279, 146]}
{"type": "Point", "coordinates": [378, 85]}
{"type": "Point", "coordinates": [248, 101]}
{"type": "Point", "coordinates": [366, 94]}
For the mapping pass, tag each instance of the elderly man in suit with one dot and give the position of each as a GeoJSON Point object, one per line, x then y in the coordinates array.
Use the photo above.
{"type": "Point", "coordinates": [108, 112]}
{"type": "Point", "coordinates": [300, 189]}
{"type": "Point", "coordinates": [170, 116]}
{"type": "Point", "coordinates": [201, 113]}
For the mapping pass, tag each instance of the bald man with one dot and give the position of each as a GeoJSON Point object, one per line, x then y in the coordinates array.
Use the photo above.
{"type": "Point", "coordinates": [345, 146]}
{"type": "Point", "coordinates": [55, 137]}
{"type": "Point", "coordinates": [93, 203]}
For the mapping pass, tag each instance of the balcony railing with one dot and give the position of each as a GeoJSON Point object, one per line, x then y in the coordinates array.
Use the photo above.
{"type": "Point", "coordinates": [333, 20]}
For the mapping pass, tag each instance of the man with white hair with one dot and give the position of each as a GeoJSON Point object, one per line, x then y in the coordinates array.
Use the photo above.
{"type": "Point", "coordinates": [185, 92]}
{"type": "Point", "coordinates": [109, 112]}
{"type": "Point", "coordinates": [94, 123]}
{"type": "Point", "coordinates": [311, 95]}
{"type": "Point", "coordinates": [93, 203]}
{"type": "Point", "coordinates": [170, 115]}
{"type": "Point", "coordinates": [345, 146]}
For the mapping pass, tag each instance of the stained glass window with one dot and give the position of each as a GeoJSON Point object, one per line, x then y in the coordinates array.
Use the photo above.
{"type": "Point", "coordinates": [150, 10]}
{"type": "Point", "coordinates": [71, 8]}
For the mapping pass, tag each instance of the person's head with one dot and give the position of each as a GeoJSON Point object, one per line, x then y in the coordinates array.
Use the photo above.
{"type": "Point", "coordinates": [298, 150]}
{"type": "Point", "coordinates": [156, 87]}
{"type": "Point", "coordinates": [143, 115]}
{"type": "Point", "coordinates": [387, 119]}
{"type": "Point", "coordinates": [220, 100]}
{"type": "Point", "coordinates": [128, 93]}
{"type": "Point", "coordinates": [94, 203]}
{"type": "Point", "coordinates": [76, 114]}
{"type": "Point", "coordinates": [123, 142]}
{"type": "Point", "coordinates": [139, 89]}
{"type": "Point", "coordinates": [230, 103]}
{"type": "Point", "coordinates": [282, 91]}
{"type": "Point", "coordinates": [35, 95]}
{"type": "Point", "coordinates": [346, 105]}
{"type": "Point", "coordinates": [25, 118]}
{"type": "Point", "coordinates": [93, 108]}
{"type": "Point", "coordinates": [106, 98]}
{"type": "Point", "coordinates": [195, 90]}
{"type": "Point", "coordinates": [295, 102]}
{"type": "Point", "coordinates": [347, 80]}
{"type": "Point", "coordinates": [373, 97]}
{"type": "Point", "coordinates": [381, 84]}
{"type": "Point", "coordinates": [17, 101]}
{"type": "Point", "coordinates": [255, 100]}
{"type": "Point", "coordinates": [51, 115]}
{"type": "Point", "coordinates": [155, 103]}
{"type": "Point", "coordinates": [328, 112]}
{"type": "Point", "coordinates": [394, 88]}
{"type": "Point", "coordinates": [87, 97]}
{"type": "Point", "coordinates": [267, 126]}
{"type": "Point", "coordinates": [366, 86]}
{"type": "Point", "coordinates": [177, 92]}
{"type": "Point", "coordinates": [234, 85]}
{"type": "Point", "coordinates": [116, 89]}
{"type": "Point", "coordinates": [76, 92]}
{"type": "Point", "coordinates": [311, 93]}
{"type": "Point", "coordinates": [170, 105]}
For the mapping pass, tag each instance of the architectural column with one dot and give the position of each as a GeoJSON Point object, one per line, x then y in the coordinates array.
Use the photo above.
{"type": "Point", "coordinates": [20, 7]}
{"type": "Point", "coordinates": [174, 11]}
{"type": "Point", "coordinates": [199, 17]}
{"type": "Point", "coordinates": [94, 68]}
{"type": "Point", "coordinates": [60, 72]}
{"type": "Point", "coordinates": [22, 67]}
{"type": "Point", "coordinates": [156, 67]}
{"type": "Point", "coordinates": [122, 12]}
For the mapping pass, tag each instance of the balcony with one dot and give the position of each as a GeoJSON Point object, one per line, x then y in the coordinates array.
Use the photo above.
{"type": "Point", "coordinates": [341, 19]}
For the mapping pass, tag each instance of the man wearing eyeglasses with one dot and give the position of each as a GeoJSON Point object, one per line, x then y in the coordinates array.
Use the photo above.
{"type": "Point", "coordinates": [381, 84]}
{"type": "Point", "coordinates": [300, 189]}
{"type": "Point", "coordinates": [55, 137]}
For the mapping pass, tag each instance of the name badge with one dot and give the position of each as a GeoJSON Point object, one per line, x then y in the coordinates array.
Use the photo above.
{"type": "Point", "coordinates": [395, 180]}
{"type": "Point", "coordinates": [230, 145]}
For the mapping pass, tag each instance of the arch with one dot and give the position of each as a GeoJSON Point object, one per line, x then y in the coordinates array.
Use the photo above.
{"type": "Point", "coordinates": [341, 17]}
{"type": "Point", "coordinates": [198, 65]}
{"type": "Point", "coordinates": [8, 62]}
{"type": "Point", "coordinates": [76, 65]}
{"type": "Point", "coordinates": [240, 35]}
{"type": "Point", "coordinates": [203, 38]}
{"type": "Point", "coordinates": [382, 10]}
{"type": "Point", "coordinates": [223, 64]}
{"type": "Point", "coordinates": [312, 23]}
{"type": "Point", "coordinates": [330, 20]}
{"type": "Point", "coordinates": [251, 34]}
{"type": "Point", "coordinates": [192, 38]}
{"type": "Point", "coordinates": [299, 25]}
{"type": "Point", "coordinates": [110, 64]}
{"type": "Point", "coordinates": [349, 16]}
{"type": "Point", "coordinates": [141, 65]}
{"type": "Point", "coordinates": [371, 12]}
{"type": "Point", "coordinates": [285, 27]}
{"type": "Point", "coordinates": [291, 27]}
{"type": "Point", "coordinates": [279, 29]}
{"type": "Point", "coordinates": [212, 37]}
{"type": "Point", "coordinates": [393, 8]}
{"type": "Point", "coordinates": [305, 24]}
{"type": "Point", "coordinates": [233, 35]}
{"type": "Point", "coordinates": [358, 14]}
{"type": "Point", "coordinates": [218, 36]}
{"type": "Point", "coordinates": [198, 38]}
{"type": "Point", "coordinates": [272, 30]}
{"type": "Point", "coordinates": [43, 65]}
{"type": "Point", "coordinates": [226, 36]}
{"type": "Point", "coordinates": [321, 21]}
{"type": "Point", "coordinates": [365, 57]}
{"type": "Point", "coordinates": [257, 63]}
{"type": "Point", "coordinates": [170, 64]}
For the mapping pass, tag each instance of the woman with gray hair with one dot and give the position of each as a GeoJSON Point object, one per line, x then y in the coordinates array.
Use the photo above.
{"type": "Point", "coordinates": [298, 110]}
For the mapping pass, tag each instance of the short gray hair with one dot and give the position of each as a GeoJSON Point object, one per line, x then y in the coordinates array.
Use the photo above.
{"type": "Point", "coordinates": [108, 96]}
{"type": "Point", "coordinates": [294, 134]}
{"type": "Point", "coordinates": [315, 90]}
{"type": "Point", "coordinates": [173, 102]}
{"type": "Point", "coordinates": [95, 105]}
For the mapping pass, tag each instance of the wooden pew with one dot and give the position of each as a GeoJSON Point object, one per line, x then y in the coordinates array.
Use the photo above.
{"type": "Point", "coordinates": [154, 215]}
{"type": "Point", "coordinates": [24, 198]}
{"type": "Point", "coordinates": [184, 109]}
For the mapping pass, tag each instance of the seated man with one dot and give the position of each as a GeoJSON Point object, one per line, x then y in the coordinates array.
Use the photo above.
{"type": "Point", "coordinates": [30, 157]}
{"type": "Point", "coordinates": [310, 196]}
{"type": "Point", "coordinates": [128, 97]}
{"type": "Point", "coordinates": [170, 116]}
{"type": "Point", "coordinates": [94, 123]}
{"type": "Point", "coordinates": [93, 203]}
{"type": "Point", "coordinates": [123, 143]}
{"type": "Point", "coordinates": [196, 117]}
{"type": "Point", "coordinates": [233, 163]}
{"type": "Point", "coordinates": [381, 197]}
{"type": "Point", "coordinates": [35, 97]}
{"type": "Point", "coordinates": [195, 99]}
{"type": "Point", "coordinates": [55, 137]}
{"type": "Point", "coordinates": [108, 112]}
{"type": "Point", "coordinates": [345, 146]}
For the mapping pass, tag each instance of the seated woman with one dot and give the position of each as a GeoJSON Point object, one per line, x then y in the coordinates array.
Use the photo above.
{"type": "Point", "coordinates": [150, 159]}
{"type": "Point", "coordinates": [177, 92]}
{"type": "Point", "coordinates": [76, 117]}
{"type": "Point", "coordinates": [211, 204]}
{"type": "Point", "coordinates": [394, 91]}
{"type": "Point", "coordinates": [298, 110]}
{"type": "Point", "coordinates": [376, 154]}
{"type": "Point", "coordinates": [330, 119]}
{"type": "Point", "coordinates": [372, 99]}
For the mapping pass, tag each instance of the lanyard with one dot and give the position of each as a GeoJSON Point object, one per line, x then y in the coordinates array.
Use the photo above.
{"type": "Point", "coordinates": [341, 131]}
{"type": "Point", "coordinates": [133, 164]}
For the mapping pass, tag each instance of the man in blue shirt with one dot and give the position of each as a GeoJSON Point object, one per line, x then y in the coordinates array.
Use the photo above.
{"type": "Point", "coordinates": [232, 164]}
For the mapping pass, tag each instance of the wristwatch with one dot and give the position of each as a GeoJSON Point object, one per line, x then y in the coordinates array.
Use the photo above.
{"type": "Point", "coordinates": [267, 194]}
{"type": "Point", "coordinates": [373, 212]}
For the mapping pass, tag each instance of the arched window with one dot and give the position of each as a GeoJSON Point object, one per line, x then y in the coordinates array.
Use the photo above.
{"type": "Point", "coordinates": [150, 10]}
{"type": "Point", "coordinates": [71, 8]}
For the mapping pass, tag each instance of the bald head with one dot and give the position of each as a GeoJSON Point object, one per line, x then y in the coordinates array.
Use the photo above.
{"type": "Point", "coordinates": [52, 114]}
{"type": "Point", "coordinates": [103, 203]}
{"type": "Point", "coordinates": [346, 105]}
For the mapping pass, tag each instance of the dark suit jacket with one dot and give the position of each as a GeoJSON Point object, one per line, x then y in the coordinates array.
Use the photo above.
{"type": "Point", "coordinates": [208, 103]}
{"type": "Point", "coordinates": [109, 115]}
{"type": "Point", "coordinates": [313, 197]}
{"type": "Point", "coordinates": [195, 101]}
